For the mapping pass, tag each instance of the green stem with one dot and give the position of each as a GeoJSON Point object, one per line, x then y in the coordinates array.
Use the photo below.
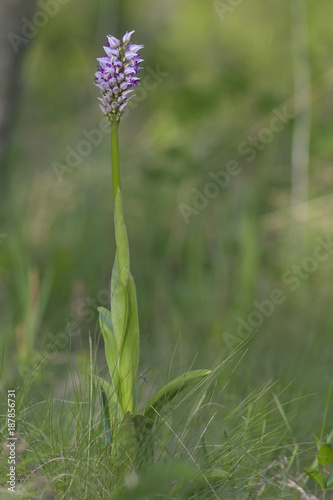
{"type": "Point", "coordinates": [115, 157]}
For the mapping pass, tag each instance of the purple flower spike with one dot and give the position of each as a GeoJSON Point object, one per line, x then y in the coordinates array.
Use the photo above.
{"type": "Point", "coordinates": [121, 64]}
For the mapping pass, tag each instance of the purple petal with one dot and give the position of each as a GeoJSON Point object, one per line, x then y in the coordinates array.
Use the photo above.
{"type": "Point", "coordinates": [122, 107]}
{"type": "Point", "coordinates": [109, 69]}
{"type": "Point", "coordinates": [103, 60]}
{"type": "Point", "coordinates": [129, 55]}
{"type": "Point", "coordinates": [113, 41]}
{"type": "Point", "coordinates": [129, 70]}
{"type": "Point", "coordinates": [111, 52]}
{"type": "Point", "coordinates": [101, 86]}
{"type": "Point", "coordinates": [103, 109]}
{"type": "Point", "coordinates": [127, 37]}
{"type": "Point", "coordinates": [135, 48]}
{"type": "Point", "coordinates": [127, 92]}
{"type": "Point", "coordinates": [104, 85]}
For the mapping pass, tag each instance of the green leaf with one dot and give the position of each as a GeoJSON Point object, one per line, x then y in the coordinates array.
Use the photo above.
{"type": "Point", "coordinates": [130, 352]}
{"type": "Point", "coordinates": [125, 443]}
{"type": "Point", "coordinates": [316, 476]}
{"type": "Point", "coordinates": [106, 416]}
{"type": "Point", "coordinates": [124, 312]}
{"type": "Point", "coordinates": [162, 397]}
{"type": "Point", "coordinates": [207, 479]}
{"type": "Point", "coordinates": [329, 481]}
{"type": "Point", "coordinates": [143, 426]}
{"type": "Point", "coordinates": [121, 237]}
{"type": "Point", "coordinates": [120, 274]}
{"type": "Point", "coordinates": [325, 454]}
{"type": "Point", "coordinates": [110, 405]}
{"type": "Point", "coordinates": [111, 395]}
{"type": "Point", "coordinates": [111, 348]}
{"type": "Point", "coordinates": [132, 436]}
{"type": "Point", "coordinates": [119, 304]}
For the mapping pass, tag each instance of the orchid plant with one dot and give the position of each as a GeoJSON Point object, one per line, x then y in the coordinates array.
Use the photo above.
{"type": "Point", "coordinates": [116, 78]}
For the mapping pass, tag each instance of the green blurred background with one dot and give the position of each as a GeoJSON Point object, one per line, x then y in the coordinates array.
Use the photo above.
{"type": "Point", "coordinates": [223, 74]}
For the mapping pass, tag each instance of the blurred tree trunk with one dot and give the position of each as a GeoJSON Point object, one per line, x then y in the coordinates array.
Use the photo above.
{"type": "Point", "coordinates": [13, 46]}
{"type": "Point", "coordinates": [302, 124]}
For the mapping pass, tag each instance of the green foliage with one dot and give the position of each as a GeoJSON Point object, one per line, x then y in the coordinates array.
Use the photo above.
{"type": "Point", "coordinates": [125, 428]}
{"type": "Point", "coordinates": [329, 481]}
{"type": "Point", "coordinates": [316, 475]}
{"type": "Point", "coordinates": [110, 405]}
{"type": "Point", "coordinates": [324, 458]}
{"type": "Point", "coordinates": [120, 328]}
{"type": "Point", "coordinates": [325, 454]}
{"type": "Point", "coordinates": [184, 454]}
{"type": "Point", "coordinates": [111, 348]}
{"type": "Point", "coordinates": [167, 393]}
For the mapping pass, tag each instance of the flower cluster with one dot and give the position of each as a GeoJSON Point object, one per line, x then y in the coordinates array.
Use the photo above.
{"type": "Point", "coordinates": [117, 74]}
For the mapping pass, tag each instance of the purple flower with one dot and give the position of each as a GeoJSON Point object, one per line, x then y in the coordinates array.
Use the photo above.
{"type": "Point", "coordinates": [116, 74]}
